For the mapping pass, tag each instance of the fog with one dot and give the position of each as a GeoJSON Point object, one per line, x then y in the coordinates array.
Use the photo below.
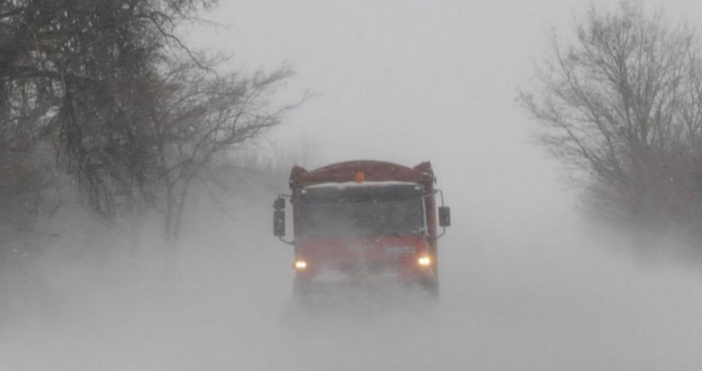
{"type": "Point", "coordinates": [529, 297]}
{"type": "Point", "coordinates": [526, 284]}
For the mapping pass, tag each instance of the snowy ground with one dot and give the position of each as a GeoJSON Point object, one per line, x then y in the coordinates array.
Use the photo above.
{"type": "Point", "coordinates": [523, 299]}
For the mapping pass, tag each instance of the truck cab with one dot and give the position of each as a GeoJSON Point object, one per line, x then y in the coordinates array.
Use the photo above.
{"type": "Point", "coordinates": [363, 218]}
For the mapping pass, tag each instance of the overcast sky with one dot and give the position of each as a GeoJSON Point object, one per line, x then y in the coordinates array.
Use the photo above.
{"type": "Point", "coordinates": [390, 73]}
{"type": "Point", "coordinates": [409, 81]}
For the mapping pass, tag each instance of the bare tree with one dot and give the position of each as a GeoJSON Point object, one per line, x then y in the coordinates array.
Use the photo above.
{"type": "Point", "coordinates": [78, 73]}
{"type": "Point", "coordinates": [621, 106]}
{"type": "Point", "coordinates": [133, 115]}
{"type": "Point", "coordinates": [202, 117]}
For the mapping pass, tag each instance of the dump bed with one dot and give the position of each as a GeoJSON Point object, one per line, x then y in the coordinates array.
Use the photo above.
{"type": "Point", "coordinates": [373, 171]}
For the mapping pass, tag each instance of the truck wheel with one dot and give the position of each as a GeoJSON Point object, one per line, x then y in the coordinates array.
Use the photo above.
{"type": "Point", "coordinates": [431, 287]}
{"type": "Point", "coordinates": [301, 289]}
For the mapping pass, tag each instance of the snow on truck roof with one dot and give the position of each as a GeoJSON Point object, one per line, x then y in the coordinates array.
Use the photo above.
{"type": "Point", "coordinates": [363, 184]}
{"type": "Point", "coordinates": [372, 171]}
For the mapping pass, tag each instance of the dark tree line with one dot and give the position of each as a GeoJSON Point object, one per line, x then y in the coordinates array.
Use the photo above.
{"type": "Point", "coordinates": [621, 105]}
{"type": "Point", "coordinates": [103, 96]}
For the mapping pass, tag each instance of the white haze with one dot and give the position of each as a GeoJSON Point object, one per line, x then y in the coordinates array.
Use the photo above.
{"type": "Point", "coordinates": [525, 285]}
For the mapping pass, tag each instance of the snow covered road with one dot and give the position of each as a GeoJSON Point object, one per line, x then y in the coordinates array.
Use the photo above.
{"type": "Point", "coordinates": [526, 300]}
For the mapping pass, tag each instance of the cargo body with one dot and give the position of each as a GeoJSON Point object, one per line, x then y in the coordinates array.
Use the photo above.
{"type": "Point", "coordinates": [364, 219]}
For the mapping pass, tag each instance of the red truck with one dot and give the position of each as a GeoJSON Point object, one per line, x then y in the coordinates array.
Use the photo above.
{"type": "Point", "coordinates": [367, 218]}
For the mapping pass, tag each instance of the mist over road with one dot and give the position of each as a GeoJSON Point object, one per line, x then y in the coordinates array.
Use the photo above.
{"type": "Point", "coordinates": [524, 285]}
{"type": "Point", "coordinates": [525, 298]}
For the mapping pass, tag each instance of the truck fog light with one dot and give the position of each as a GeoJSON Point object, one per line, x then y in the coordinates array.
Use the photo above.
{"type": "Point", "coordinates": [300, 264]}
{"type": "Point", "coordinates": [424, 261]}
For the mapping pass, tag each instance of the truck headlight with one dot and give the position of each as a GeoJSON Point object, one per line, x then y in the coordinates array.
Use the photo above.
{"type": "Point", "coordinates": [424, 261]}
{"type": "Point", "coordinates": [300, 264]}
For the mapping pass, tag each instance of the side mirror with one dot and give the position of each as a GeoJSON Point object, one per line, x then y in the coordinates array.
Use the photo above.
{"type": "Point", "coordinates": [444, 216]}
{"type": "Point", "coordinates": [279, 223]}
{"type": "Point", "coordinates": [279, 203]}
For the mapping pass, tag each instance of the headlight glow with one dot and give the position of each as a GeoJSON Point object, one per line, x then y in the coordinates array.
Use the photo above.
{"type": "Point", "coordinates": [300, 264]}
{"type": "Point", "coordinates": [424, 261]}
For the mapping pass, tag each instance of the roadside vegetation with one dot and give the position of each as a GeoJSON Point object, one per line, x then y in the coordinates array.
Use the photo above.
{"type": "Point", "coordinates": [619, 103]}
{"type": "Point", "coordinates": [102, 104]}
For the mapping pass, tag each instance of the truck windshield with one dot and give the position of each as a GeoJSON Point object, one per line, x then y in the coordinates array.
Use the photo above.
{"type": "Point", "coordinates": [344, 218]}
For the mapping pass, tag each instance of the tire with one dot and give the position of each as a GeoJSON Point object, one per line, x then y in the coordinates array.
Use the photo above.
{"type": "Point", "coordinates": [431, 288]}
{"type": "Point", "coordinates": [301, 289]}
